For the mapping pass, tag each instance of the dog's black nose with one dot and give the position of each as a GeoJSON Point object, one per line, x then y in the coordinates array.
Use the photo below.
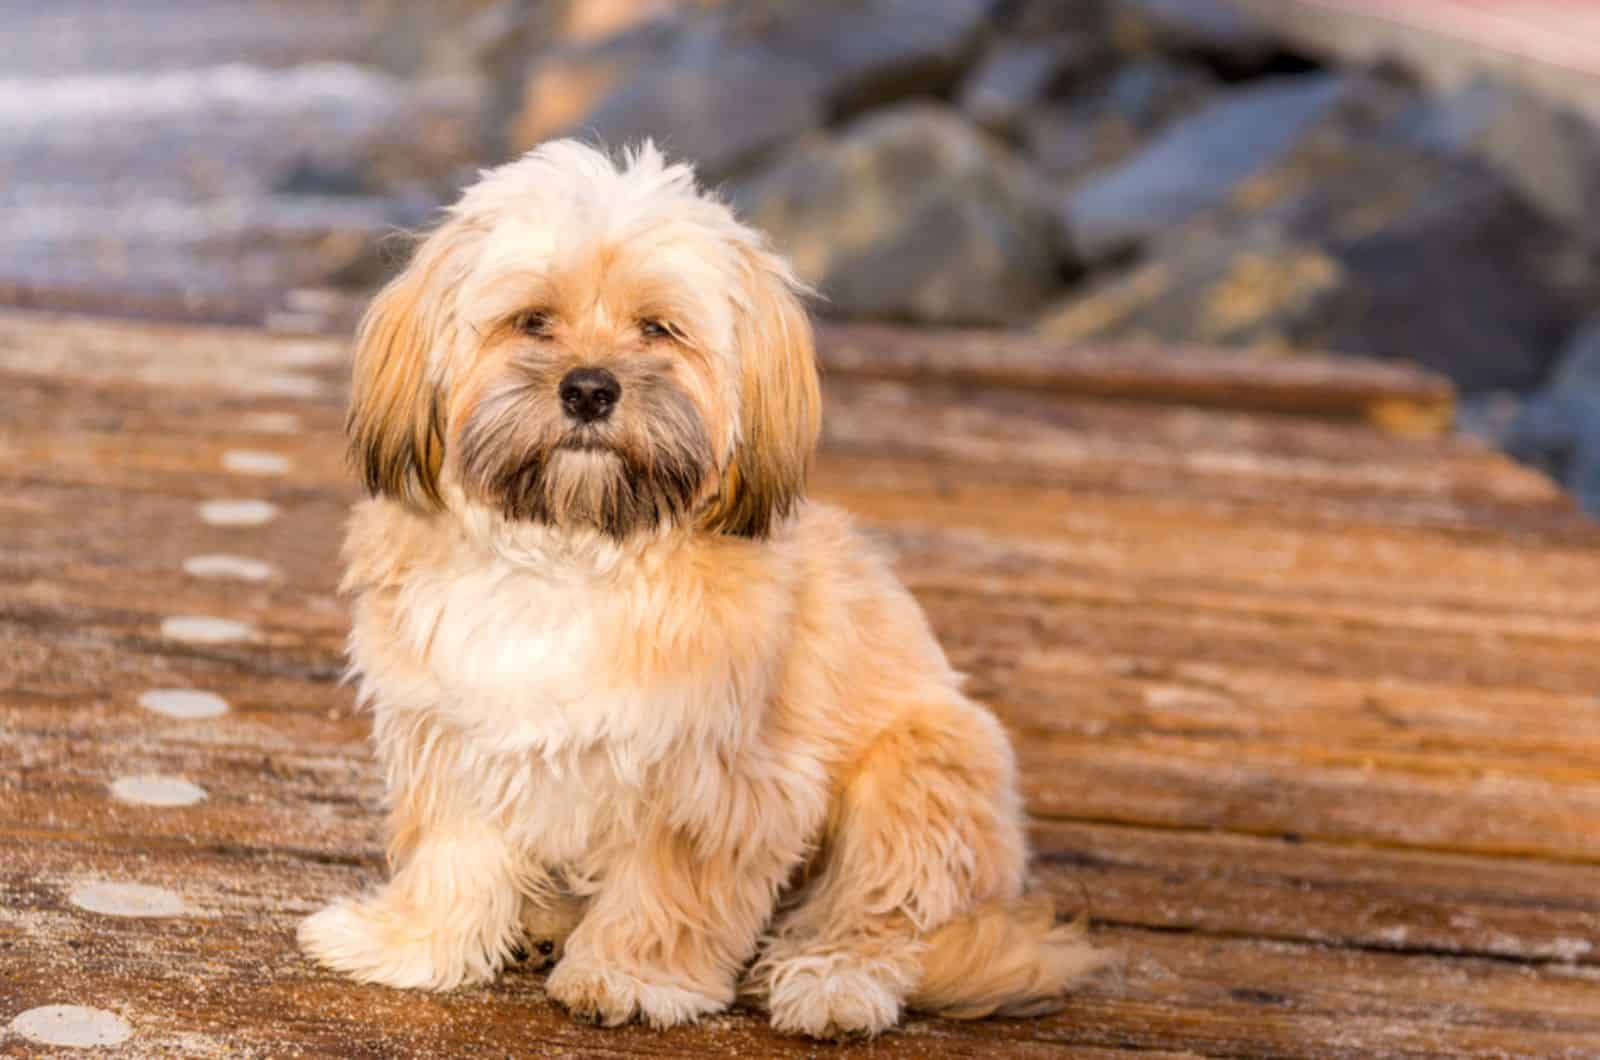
{"type": "Point", "coordinates": [589, 394]}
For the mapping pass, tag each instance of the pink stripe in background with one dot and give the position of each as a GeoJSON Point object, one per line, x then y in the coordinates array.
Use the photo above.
{"type": "Point", "coordinates": [1562, 33]}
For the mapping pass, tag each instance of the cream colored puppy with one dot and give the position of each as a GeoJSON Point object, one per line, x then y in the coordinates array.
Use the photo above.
{"type": "Point", "coordinates": [612, 653]}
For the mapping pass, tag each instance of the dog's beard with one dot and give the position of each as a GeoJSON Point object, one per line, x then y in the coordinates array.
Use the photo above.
{"type": "Point", "coordinates": [642, 469]}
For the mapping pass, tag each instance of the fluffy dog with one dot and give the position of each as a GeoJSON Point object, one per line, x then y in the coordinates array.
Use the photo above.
{"type": "Point", "coordinates": [623, 677]}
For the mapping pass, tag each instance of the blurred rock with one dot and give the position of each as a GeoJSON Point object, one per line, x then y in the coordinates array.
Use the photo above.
{"type": "Point", "coordinates": [1489, 415]}
{"type": "Point", "coordinates": [1214, 29]}
{"type": "Point", "coordinates": [1103, 125]}
{"type": "Point", "coordinates": [1550, 155]}
{"type": "Point", "coordinates": [912, 214]}
{"type": "Point", "coordinates": [725, 86]}
{"type": "Point", "coordinates": [409, 38]}
{"type": "Point", "coordinates": [1559, 425]}
{"type": "Point", "coordinates": [1195, 164]}
{"type": "Point", "coordinates": [1259, 289]}
{"type": "Point", "coordinates": [1017, 74]}
{"type": "Point", "coordinates": [565, 84]}
{"type": "Point", "coordinates": [1448, 264]}
{"type": "Point", "coordinates": [1045, 18]}
{"type": "Point", "coordinates": [719, 103]}
{"type": "Point", "coordinates": [597, 19]}
{"type": "Point", "coordinates": [1578, 370]}
{"type": "Point", "coordinates": [872, 52]}
{"type": "Point", "coordinates": [1357, 242]}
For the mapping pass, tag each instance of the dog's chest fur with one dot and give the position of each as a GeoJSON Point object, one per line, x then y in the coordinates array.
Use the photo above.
{"type": "Point", "coordinates": [566, 681]}
{"type": "Point", "coordinates": [523, 660]}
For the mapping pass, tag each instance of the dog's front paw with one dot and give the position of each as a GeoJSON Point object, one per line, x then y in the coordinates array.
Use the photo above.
{"type": "Point", "coordinates": [370, 942]}
{"type": "Point", "coordinates": [830, 999]}
{"type": "Point", "coordinates": [608, 996]}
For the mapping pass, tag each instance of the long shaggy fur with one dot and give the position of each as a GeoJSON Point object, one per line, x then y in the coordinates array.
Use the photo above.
{"type": "Point", "coordinates": [633, 696]}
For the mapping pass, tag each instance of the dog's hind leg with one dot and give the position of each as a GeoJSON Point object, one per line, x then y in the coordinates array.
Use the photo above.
{"type": "Point", "coordinates": [916, 903]}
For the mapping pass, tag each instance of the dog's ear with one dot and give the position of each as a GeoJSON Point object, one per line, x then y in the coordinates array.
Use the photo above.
{"type": "Point", "coordinates": [396, 438]}
{"type": "Point", "coordinates": [780, 407]}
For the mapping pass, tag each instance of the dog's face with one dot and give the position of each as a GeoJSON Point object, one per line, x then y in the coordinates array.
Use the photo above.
{"type": "Point", "coordinates": [588, 345]}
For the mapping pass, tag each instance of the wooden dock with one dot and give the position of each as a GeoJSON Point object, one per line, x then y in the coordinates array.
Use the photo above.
{"type": "Point", "coordinates": [1307, 696]}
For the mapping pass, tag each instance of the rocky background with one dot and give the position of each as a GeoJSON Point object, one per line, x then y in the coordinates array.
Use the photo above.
{"type": "Point", "coordinates": [1177, 171]}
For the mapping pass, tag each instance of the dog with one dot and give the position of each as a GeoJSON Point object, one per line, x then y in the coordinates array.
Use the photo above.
{"type": "Point", "coordinates": [631, 691]}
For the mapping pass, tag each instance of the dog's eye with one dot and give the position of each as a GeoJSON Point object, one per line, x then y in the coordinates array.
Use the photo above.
{"type": "Point", "coordinates": [532, 322]}
{"type": "Point", "coordinates": [655, 329]}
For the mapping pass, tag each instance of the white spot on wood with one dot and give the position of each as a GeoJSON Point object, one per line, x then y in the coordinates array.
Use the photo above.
{"type": "Point", "coordinates": [1570, 949]}
{"type": "Point", "coordinates": [220, 566]}
{"type": "Point", "coordinates": [127, 899]}
{"type": "Point", "coordinates": [238, 513]}
{"type": "Point", "coordinates": [254, 462]}
{"type": "Point", "coordinates": [270, 422]}
{"type": "Point", "coordinates": [184, 703]}
{"type": "Point", "coordinates": [203, 629]}
{"type": "Point", "coordinates": [157, 791]}
{"type": "Point", "coordinates": [71, 1026]}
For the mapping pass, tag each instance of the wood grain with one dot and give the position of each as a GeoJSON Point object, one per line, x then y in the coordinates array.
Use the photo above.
{"type": "Point", "coordinates": [1306, 710]}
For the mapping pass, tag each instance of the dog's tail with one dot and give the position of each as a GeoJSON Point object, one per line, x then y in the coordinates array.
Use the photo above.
{"type": "Point", "coordinates": [1004, 959]}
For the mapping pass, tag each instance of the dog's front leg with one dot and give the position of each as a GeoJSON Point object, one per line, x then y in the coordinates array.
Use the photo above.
{"type": "Point", "coordinates": [450, 915]}
{"type": "Point", "coordinates": [673, 924]}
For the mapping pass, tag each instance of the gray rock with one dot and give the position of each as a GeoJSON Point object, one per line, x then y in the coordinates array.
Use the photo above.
{"type": "Point", "coordinates": [727, 86]}
{"type": "Point", "coordinates": [723, 115]}
{"type": "Point", "coordinates": [1549, 154]}
{"type": "Point", "coordinates": [1013, 76]}
{"type": "Point", "coordinates": [1255, 287]}
{"type": "Point", "coordinates": [547, 95]}
{"type": "Point", "coordinates": [1196, 163]}
{"type": "Point", "coordinates": [912, 214]}
{"type": "Point", "coordinates": [1216, 29]}
{"type": "Point", "coordinates": [1466, 288]}
{"type": "Point", "coordinates": [1560, 434]}
{"type": "Point", "coordinates": [1149, 91]}
{"type": "Point", "coordinates": [1101, 127]}
{"type": "Point", "coordinates": [1578, 370]}
{"type": "Point", "coordinates": [1043, 18]}
{"type": "Point", "coordinates": [1558, 429]}
{"type": "Point", "coordinates": [1357, 242]}
{"type": "Point", "coordinates": [698, 90]}
{"type": "Point", "coordinates": [1490, 415]}
{"type": "Point", "coordinates": [872, 52]}
{"type": "Point", "coordinates": [1067, 141]}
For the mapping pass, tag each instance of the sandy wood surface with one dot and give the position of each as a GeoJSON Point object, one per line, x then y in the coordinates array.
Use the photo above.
{"type": "Point", "coordinates": [1307, 696]}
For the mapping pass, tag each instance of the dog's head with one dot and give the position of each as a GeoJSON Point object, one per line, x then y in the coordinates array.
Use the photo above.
{"type": "Point", "coordinates": [585, 343]}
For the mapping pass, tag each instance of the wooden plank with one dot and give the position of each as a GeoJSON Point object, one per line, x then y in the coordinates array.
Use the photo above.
{"type": "Point", "coordinates": [227, 975]}
{"type": "Point", "coordinates": [1349, 387]}
{"type": "Point", "coordinates": [1304, 891]}
{"type": "Point", "coordinates": [1305, 710]}
{"type": "Point", "coordinates": [311, 793]}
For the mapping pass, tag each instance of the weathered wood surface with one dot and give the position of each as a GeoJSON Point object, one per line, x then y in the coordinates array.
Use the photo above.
{"type": "Point", "coordinates": [1310, 712]}
{"type": "Point", "coordinates": [1387, 392]}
